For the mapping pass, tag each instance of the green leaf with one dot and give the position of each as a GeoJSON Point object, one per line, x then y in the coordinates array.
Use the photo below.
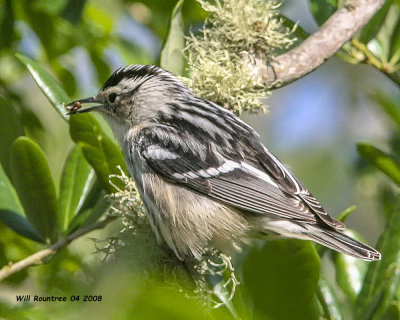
{"type": "Point", "coordinates": [383, 277]}
{"type": "Point", "coordinates": [99, 150]}
{"type": "Point", "coordinates": [11, 128]}
{"type": "Point", "coordinates": [371, 29]}
{"type": "Point", "coordinates": [132, 53]}
{"type": "Point", "coordinates": [73, 11]}
{"type": "Point", "coordinates": [323, 9]}
{"type": "Point", "coordinates": [53, 7]}
{"type": "Point", "coordinates": [49, 86]}
{"type": "Point", "coordinates": [350, 271]}
{"type": "Point", "coordinates": [299, 32]}
{"type": "Point", "coordinates": [393, 312]}
{"type": "Point", "coordinates": [67, 78]}
{"type": "Point", "coordinates": [33, 127]}
{"type": "Point", "coordinates": [382, 42]}
{"type": "Point", "coordinates": [95, 193]}
{"type": "Point", "coordinates": [148, 300]}
{"type": "Point", "coordinates": [11, 211]}
{"type": "Point", "coordinates": [102, 69]}
{"type": "Point", "coordinates": [43, 24]}
{"type": "Point", "coordinates": [395, 45]}
{"type": "Point", "coordinates": [7, 25]}
{"type": "Point", "coordinates": [20, 225]}
{"type": "Point", "coordinates": [346, 213]}
{"type": "Point", "coordinates": [389, 105]}
{"type": "Point", "coordinates": [101, 17]}
{"type": "Point", "coordinates": [75, 184]}
{"type": "Point", "coordinates": [281, 280]}
{"type": "Point", "coordinates": [172, 58]}
{"type": "Point", "coordinates": [329, 301]}
{"type": "Point", "coordinates": [380, 160]}
{"type": "Point", "coordinates": [90, 207]}
{"type": "Point", "coordinates": [96, 212]}
{"type": "Point", "coordinates": [35, 187]}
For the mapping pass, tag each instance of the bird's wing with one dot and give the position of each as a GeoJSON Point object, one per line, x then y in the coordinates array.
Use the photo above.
{"type": "Point", "coordinates": [288, 183]}
{"type": "Point", "coordinates": [236, 182]}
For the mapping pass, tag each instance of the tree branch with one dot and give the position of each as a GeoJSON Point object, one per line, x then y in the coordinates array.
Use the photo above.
{"type": "Point", "coordinates": [42, 256]}
{"type": "Point", "coordinates": [321, 45]}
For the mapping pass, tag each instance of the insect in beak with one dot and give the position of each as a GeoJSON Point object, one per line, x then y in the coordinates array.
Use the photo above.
{"type": "Point", "coordinates": [74, 107]}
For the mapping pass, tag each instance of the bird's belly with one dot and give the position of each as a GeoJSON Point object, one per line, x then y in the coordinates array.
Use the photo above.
{"type": "Point", "coordinates": [188, 222]}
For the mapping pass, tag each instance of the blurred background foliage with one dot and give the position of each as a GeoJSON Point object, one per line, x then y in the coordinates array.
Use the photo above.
{"type": "Point", "coordinates": [339, 128]}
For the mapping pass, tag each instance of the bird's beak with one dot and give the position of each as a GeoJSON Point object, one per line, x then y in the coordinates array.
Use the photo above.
{"type": "Point", "coordinates": [74, 107]}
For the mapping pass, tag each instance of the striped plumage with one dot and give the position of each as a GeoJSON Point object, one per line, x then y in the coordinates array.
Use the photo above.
{"type": "Point", "coordinates": [203, 174]}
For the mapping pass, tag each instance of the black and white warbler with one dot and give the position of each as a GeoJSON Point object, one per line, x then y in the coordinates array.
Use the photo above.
{"type": "Point", "coordinates": [203, 174]}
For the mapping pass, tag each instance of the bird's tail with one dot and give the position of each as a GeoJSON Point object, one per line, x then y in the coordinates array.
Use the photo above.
{"type": "Point", "coordinates": [343, 243]}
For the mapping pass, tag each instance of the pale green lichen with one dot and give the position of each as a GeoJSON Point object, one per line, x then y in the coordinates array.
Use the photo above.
{"type": "Point", "coordinates": [234, 30]}
{"type": "Point", "coordinates": [216, 268]}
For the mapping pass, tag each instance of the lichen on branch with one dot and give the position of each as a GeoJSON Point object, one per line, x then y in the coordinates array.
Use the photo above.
{"type": "Point", "coordinates": [233, 30]}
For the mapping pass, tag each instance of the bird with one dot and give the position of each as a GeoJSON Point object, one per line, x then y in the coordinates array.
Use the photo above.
{"type": "Point", "coordinates": [203, 174]}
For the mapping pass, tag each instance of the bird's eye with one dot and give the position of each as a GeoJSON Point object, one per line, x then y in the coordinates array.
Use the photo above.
{"type": "Point", "coordinates": [112, 97]}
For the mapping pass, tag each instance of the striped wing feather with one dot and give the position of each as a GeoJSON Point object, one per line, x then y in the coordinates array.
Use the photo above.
{"type": "Point", "coordinates": [273, 191]}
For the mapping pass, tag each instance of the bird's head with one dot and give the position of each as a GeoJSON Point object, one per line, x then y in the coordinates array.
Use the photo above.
{"type": "Point", "coordinates": [132, 94]}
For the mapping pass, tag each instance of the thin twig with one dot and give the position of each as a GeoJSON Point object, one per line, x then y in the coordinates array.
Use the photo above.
{"type": "Point", "coordinates": [321, 45]}
{"type": "Point", "coordinates": [385, 68]}
{"type": "Point", "coordinates": [369, 56]}
{"type": "Point", "coordinates": [43, 256]}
